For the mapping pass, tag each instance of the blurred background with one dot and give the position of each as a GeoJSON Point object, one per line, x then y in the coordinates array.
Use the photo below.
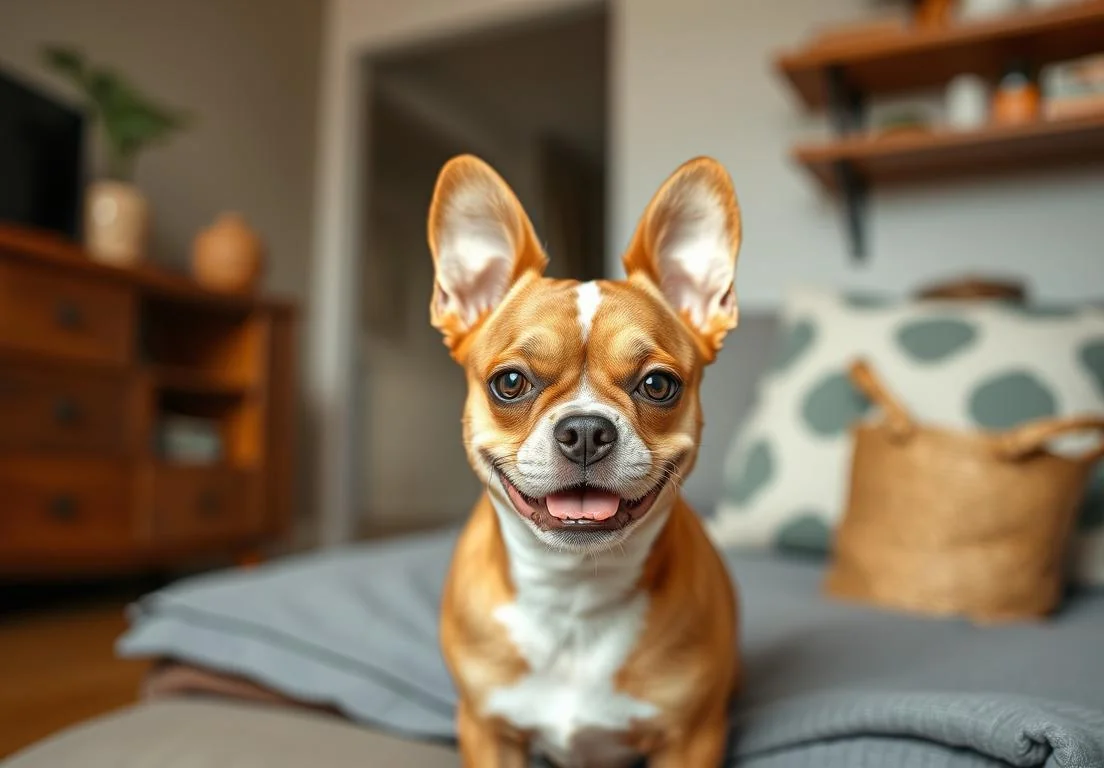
{"type": "Point", "coordinates": [218, 350]}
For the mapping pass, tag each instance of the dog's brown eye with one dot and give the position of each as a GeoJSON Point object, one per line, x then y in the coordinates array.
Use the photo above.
{"type": "Point", "coordinates": [510, 385]}
{"type": "Point", "coordinates": [659, 387]}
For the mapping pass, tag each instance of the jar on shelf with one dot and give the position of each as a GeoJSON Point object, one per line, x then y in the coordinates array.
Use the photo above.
{"type": "Point", "coordinates": [1017, 98]}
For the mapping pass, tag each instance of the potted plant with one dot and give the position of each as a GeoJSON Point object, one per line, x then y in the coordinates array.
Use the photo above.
{"type": "Point", "coordinates": [116, 225]}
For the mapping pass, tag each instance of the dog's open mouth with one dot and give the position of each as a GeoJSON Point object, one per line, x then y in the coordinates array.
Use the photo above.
{"type": "Point", "coordinates": [580, 508]}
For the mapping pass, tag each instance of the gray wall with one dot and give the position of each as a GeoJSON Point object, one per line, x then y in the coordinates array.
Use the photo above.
{"type": "Point", "coordinates": [249, 72]}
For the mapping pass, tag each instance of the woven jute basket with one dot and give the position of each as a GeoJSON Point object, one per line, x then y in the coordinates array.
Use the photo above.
{"type": "Point", "coordinates": [947, 522]}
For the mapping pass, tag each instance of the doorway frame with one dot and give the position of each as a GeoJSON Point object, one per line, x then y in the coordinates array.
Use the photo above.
{"type": "Point", "coordinates": [356, 32]}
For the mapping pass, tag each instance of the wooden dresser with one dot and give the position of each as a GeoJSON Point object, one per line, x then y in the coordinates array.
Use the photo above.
{"type": "Point", "coordinates": [94, 362]}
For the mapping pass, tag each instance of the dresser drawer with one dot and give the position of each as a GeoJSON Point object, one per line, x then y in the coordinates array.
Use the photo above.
{"type": "Point", "coordinates": [42, 310]}
{"type": "Point", "coordinates": [58, 506]}
{"type": "Point", "coordinates": [192, 503]}
{"type": "Point", "coordinates": [57, 410]}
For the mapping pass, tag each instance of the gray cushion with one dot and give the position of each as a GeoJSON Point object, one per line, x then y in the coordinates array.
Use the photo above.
{"type": "Point", "coordinates": [358, 629]}
{"type": "Point", "coordinates": [355, 628]}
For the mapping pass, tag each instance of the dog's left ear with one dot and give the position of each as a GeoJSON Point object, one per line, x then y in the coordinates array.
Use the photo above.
{"type": "Point", "coordinates": [482, 243]}
{"type": "Point", "coordinates": [686, 245]}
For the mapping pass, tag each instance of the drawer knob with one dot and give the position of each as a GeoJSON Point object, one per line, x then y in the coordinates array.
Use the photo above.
{"type": "Point", "coordinates": [63, 509]}
{"type": "Point", "coordinates": [66, 412]}
{"type": "Point", "coordinates": [209, 504]}
{"type": "Point", "coordinates": [68, 316]}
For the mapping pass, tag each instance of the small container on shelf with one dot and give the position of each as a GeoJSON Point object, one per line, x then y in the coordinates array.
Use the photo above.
{"type": "Point", "coordinates": [933, 14]}
{"type": "Point", "coordinates": [1072, 89]}
{"type": "Point", "coordinates": [189, 440]}
{"type": "Point", "coordinates": [981, 10]}
{"type": "Point", "coordinates": [967, 102]}
{"type": "Point", "coordinates": [1017, 98]}
{"type": "Point", "coordinates": [1046, 5]}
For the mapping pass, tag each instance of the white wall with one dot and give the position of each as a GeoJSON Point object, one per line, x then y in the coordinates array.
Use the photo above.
{"type": "Point", "coordinates": [695, 77]}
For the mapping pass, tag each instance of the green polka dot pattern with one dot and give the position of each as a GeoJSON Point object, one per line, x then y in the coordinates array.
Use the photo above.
{"type": "Point", "coordinates": [866, 300]}
{"type": "Point", "coordinates": [832, 405]}
{"type": "Point", "coordinates": [935, 340]}
{"type": "Point", "coordinates": [1092, 357]}
{"type": "Point", "coordinates": [1092, 509]}
{"type": "Point", "coordinates": [806, 533]}
{"type": "Point", "coordinates": [754, 474]}
{"type": "Point", "coordinates": [1010, 399]}
{"type": "Point", "coordinates": [797, 339]}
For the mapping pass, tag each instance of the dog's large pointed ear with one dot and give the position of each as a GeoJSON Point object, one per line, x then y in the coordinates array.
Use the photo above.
{"type": "Point", "coordinates": [482, 243]}
{"type": "Point", "coordinates": [686, 245]}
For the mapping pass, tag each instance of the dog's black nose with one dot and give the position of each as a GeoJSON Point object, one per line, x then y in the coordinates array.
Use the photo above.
{"type": "Point", "coordinates": [586, 439]}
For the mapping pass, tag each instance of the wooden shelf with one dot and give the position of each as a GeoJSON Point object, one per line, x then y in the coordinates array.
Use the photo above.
{"type": "Point", "coordinates": [48, 247]}
{"type": "Point", "coordinates": [916, 157]}
{"type": "Point", "coordinates": [914, 59]}
{"type": "Point", "coordinates": [184, 381]}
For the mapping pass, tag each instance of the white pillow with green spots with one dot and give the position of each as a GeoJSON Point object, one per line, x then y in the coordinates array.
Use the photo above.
{"type": "Point", "coordinates": [959, 364]}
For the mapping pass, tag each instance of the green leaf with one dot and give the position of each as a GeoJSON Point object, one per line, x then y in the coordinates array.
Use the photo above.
{"type": "Point", "coordinates": [66, 61]}
{"type": "Point", "coordinates": [131, 122]}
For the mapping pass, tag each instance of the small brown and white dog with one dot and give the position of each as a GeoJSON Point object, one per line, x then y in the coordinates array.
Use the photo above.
{"type": "Point", "coordinates": [586, 617]}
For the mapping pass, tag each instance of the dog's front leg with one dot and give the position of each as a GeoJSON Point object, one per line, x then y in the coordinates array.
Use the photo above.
{"type": "Point", "coordinates": [701, 746]}
{"type": "Point", "coordinates": [483, 746]}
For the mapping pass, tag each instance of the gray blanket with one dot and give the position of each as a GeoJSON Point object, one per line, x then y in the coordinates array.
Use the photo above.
{"type": "Point", "coordinates": [829, 684]}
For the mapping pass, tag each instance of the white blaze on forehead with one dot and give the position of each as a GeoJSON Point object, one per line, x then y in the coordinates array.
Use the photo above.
{"type": "Point", "coordinates": [587, 298]}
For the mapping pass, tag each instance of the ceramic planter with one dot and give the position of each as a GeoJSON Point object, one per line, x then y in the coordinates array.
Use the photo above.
{"type": "Point", "coordinates": [116, 223]}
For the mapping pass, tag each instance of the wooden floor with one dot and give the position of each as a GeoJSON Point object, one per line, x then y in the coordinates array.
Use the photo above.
{"type": "Point", "coordinates": [57, 668]}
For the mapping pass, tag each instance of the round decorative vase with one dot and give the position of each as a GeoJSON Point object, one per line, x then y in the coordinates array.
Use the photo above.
{"type": "Point", "coordinates": [228, 255]}
{"type": "Point", "coordinates": [116, 223]}
{"type": "Point", "coordinates": [1043, 5]}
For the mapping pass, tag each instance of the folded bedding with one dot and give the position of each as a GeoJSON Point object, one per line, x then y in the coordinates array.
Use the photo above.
{"type": "Point", "coordinates": [829, 684]}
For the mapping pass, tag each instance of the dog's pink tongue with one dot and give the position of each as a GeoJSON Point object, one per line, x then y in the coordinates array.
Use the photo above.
{"type": "Point", "coordinates": [583, 505]}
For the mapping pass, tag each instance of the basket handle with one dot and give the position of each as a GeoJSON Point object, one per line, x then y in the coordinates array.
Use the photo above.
{"type": "Point", "coordinates": [1030, 438]}
{"type": "Point", "coordinates": [898, 419]}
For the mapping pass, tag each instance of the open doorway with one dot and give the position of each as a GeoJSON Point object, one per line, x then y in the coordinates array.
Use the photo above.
{"type": "Point", "coordinates": [531, 99]}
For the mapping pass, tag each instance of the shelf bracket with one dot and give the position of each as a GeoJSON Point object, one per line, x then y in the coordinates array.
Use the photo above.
{"type": "Point", "coordinates": [853, 188]}
{"type": "Point", "coordinates": [846, 106]}
{"type": "Point", "coordinates": [847, 110]}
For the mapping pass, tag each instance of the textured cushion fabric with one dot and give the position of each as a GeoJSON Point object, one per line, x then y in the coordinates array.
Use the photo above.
{"type": "Point", "coordinates": [357, 629]}
{"type": "Point", "coordinates": [971, 365]}
{"type": "Point", "coordinates": [211, 734]}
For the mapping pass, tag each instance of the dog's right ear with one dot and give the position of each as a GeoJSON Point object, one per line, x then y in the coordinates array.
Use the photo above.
{"type": "Point", "coordinates": [482, 243]}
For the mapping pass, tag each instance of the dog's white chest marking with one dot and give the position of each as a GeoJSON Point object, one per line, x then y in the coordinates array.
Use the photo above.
{"type": "Point", "coordinates": [575, 622]}
{"type": "Point", "coordinates": [568, 697]}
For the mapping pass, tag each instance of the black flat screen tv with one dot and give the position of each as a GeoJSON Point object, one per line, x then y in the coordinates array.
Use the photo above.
{"type": "Point", "coordinates": [41, 159]}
